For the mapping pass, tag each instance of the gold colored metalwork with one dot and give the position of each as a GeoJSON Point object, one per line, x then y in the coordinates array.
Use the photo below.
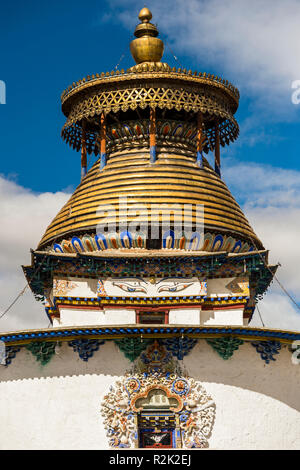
{"type": "Point", "coordinates": [174, 177]}
{"type": "Point", "coordinates": [162, 95]}
{"type": "Point", "coordinates": [111, 78]}
{"type": "Point", "coordinates": [147, 47]}
{"type": "Point", "coordinates": [163, 183]}
{"type": "Point", "coordinates": [128, 139]}
{"type": "Point", "coordinates": [148, 84]}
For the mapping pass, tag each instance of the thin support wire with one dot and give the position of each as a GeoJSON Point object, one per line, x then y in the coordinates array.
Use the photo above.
{"type": "Point", "coordinates": [274, 276]}
{"type": "Point", "coordinates": [260, 316]}
{"type": "Point", "coordinates": [27, 285]}
{"type": "Point", "coordinates": [169, 47]}
{"type": "Point", "coordinates": [14, 301]}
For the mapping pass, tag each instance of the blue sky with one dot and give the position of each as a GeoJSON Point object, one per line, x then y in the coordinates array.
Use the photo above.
{"type": "Point", "coordinates": [45, 46]}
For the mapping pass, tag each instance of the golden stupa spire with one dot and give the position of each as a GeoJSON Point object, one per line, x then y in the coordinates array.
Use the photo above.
{"type": "Point", "coordinates": [147, 48]}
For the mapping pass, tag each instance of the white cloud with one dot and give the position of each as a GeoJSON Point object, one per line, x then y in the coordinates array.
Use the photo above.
{"type": "Point", "coordinates": [279, 229]}
{"type": "Point", "coordinates": [24, 217]}
{"type": "Point", "coordinates": [261, 185]}
{"type": "Point", "coordinates": [277, 312]}
{"type": "Point", "coordinates": [255, 44]}
{"type": "Point", "coordinates": [271, 202]}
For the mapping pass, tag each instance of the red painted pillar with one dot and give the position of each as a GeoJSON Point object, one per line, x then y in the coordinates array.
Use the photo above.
{"type": "Point", "coordinates": [217, 148]}
{"type": "Point", "coordinates": [103, 141]}
{"type": "Point", "coordinates": [200, 139]}
{"type": "Point", "coordinates": [152, 135]}
{"type": "Point", "coordinates": [83, 151]}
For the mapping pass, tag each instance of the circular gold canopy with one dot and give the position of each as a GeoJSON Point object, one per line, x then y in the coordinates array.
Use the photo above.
{"type": "Point", "coordinates": [174, 180]}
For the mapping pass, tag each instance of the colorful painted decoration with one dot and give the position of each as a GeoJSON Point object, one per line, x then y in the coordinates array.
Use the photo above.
{"type": "Point", "coordinates": [180, 386]}
{"type": "Point", "coordinates": [132, 347]}
{"type": "Point", "coordinates": [218, 243]}
{"type": "Point", "coordinates": [178, 130]}
{"type": "Point", "coordinates": [10, 354]}
{"type": "Point", "coordinates": [226, 346]}
{"type": "Point", "coordinates": [189, 132]}
{"type": "Point", "coordinates": [85, 347]}
{"type": "Point", "coordinates": [171, 240]}
{"type": "Point", "coordinates": [154, 287]}
{"type": "Point", "coordinates": [239, 286]}
{"type": "Point", "coordinates": [229, 243]}
{"type": "Point", "coordinates": [126, 239]}
{"type": "Point", "coordinates": [188, 267]}
{"type": "Point", "coordinates": [89, 243]}
{"type": "Point", "coordinates": [180, 347]}
{"type": "Point", "coordinates": [139, 240]}
{"type": "Point", "coordinates": [195, 242]}
{"type": "Point", "coordinates": [267, 349]}
{"type": "Point", "coordinates": [101, 292]}
{"type": "Point", "coordinates": [155, 357]}
{"type": "Point", "coordinates": [62, 287]}
{"type": "Point", "coordinates": [127, 130]}
{"type": "Point", "coordinates": [77, 245]}
{"type": "Point", "coordinates": [138, 129]}
{"type": "Point", "coordinates": [165, 129]}
{"type": "Point", "coordinates": [133, 406]}
{"type": "Point", "coordinates": [67, 246]}
{"type": "Point", "coordinates": [43, 351]}
{"type": "Point", "coordinates": [57, 248]}
{"type": "Point", "coordinates": [130, 130]}
{"type": "Point", "coordinates": [168, 239]}
{"type": "Point", "coordinates": [101, 242]}
{"type": "Point", "coordinates": [237, 247]}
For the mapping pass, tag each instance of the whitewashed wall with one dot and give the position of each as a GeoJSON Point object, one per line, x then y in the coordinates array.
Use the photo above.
{"type": "Point", "coordinates": [122, 316]}
{"type": "Point", "coordinates": [57, 406]}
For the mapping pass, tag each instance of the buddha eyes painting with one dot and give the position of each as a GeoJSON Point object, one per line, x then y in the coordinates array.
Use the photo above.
{"type": "Point", "coordinates": [154, 287]}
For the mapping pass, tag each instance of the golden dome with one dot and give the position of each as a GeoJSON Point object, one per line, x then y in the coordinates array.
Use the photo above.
{"type": "Point", "coordinates": [174, 179]}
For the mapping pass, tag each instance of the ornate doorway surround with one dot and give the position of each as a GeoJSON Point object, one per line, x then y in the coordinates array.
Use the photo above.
{"type": "Point", "coordinates": [157, 405]}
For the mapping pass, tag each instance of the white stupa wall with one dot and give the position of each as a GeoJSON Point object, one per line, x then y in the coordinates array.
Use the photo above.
{"type": "Point", "coordinates": [232, 316]}
{"type": "Point", "coordinates": [120, 316]}
{"type": "Point", "coordinates": [106, 316]}
{"type": "Point", "coordinates": [57, 406]}
{"type": "Point", "coordinates": [77, 288]}
{"type": "Point", "coordinates": [73, 316]}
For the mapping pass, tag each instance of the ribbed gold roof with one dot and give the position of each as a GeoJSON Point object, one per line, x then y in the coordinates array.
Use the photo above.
{"type": "Point", "coordinates": [175, 178]}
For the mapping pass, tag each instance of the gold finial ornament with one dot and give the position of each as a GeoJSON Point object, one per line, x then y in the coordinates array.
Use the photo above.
{"type": "Point", "coordinates": [147, 47]}
{"type": "Point", "coordinates": [145, 15]}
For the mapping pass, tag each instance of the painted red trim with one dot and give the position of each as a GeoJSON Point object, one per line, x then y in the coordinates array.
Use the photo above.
{"type": "Point", "coordinates": [144, 307]}
{"type": "Point", "coordinates": [81, 307]}
{"type": "Point", "coordinates": [152, 307]}
{"type": "Point", "coordinates": [223, 307]}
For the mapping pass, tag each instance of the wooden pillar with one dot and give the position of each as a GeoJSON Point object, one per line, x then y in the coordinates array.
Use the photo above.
{"type": "Point", "coordinates": [217, 148]}
{"type": "Point", "coordinates": [83, 151]}
{"type": "Point", "coordinates": [136, 434]}
{"type": "Point", "coordinates": [152, 135]}
{"type": "Point", "coordinates": [177, 433]}
{"type": "Point", "coordinates": [200, 139]}
{"type": "Point", "coordinates": [102, 142]}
